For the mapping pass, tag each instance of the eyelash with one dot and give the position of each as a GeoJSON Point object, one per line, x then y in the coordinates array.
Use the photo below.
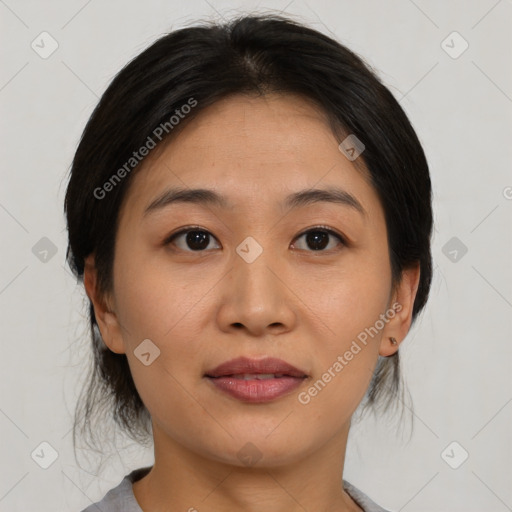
{"type": "Point", "coordinates": [320, 228]}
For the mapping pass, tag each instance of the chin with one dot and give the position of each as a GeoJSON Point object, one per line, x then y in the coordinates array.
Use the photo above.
{"type": "Point", "coordinates": [259, 450]}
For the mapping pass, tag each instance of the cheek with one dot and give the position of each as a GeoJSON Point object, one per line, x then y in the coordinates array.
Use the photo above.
{"type": "Point", "coordinates": [347, 309]}
{"type": "Point", "coordinates": [350, 299]}
{"type": "Point", "coordinates": [346, 354]}
{"type": "Point", "coordinates": [154, 299]}
{"type": "Point", "coordinates": [334, 395]}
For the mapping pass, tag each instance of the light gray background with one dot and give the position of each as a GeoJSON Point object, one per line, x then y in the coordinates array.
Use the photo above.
{"type": "Point", "coordinates": [456, 361]}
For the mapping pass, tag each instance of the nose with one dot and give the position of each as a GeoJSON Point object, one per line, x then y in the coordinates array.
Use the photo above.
{"type": "Point", "coordinates": [256, 297]}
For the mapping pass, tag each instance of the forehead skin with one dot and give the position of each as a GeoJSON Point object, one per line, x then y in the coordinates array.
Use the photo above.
{"type": "Point", "coordinates": [254, 150]}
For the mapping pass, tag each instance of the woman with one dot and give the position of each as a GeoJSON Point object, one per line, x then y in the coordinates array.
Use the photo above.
{"type": "Point", "coordinates": [249, 209]}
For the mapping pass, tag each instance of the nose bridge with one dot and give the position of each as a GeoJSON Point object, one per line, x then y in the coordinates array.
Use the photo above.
{"type": "Point", "coordinates": [256, 299]}
{"type": "Point", "coordinates": [252, 261]}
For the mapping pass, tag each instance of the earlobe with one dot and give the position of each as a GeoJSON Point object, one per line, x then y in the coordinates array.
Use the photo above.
{"type": "Point", "coordinates": [402, 304]}
{"type": "Point", "coordinates": [103, 312]}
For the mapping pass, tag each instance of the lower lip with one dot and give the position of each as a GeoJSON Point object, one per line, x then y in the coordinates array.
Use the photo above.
{"type": "Point", "coordinates": [255, 390]}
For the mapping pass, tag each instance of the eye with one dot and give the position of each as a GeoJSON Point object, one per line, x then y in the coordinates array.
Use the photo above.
{"type": "Point", "coordinates": [318, 238]}
{"type": "Point", "coordinates": [196, 239]}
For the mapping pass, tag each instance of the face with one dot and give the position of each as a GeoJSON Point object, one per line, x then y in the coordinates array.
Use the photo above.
{"type": "Point", "coordinates": [207, 282]}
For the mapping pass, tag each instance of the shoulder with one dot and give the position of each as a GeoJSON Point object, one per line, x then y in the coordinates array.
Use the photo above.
{"type": "Point", "coordinates": [121, 497]}
{"type": "Point", "coordinates": [367, 504]}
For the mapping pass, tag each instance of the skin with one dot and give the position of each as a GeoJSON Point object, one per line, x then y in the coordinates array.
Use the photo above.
{"type": "Point", "coordinates": [292, 302]}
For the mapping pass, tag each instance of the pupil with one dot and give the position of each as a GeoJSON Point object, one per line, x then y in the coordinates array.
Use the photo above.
{"type": "Point", "coordinates": [315, 239]}
{"type": "Point", "coordinates": [197, 239]}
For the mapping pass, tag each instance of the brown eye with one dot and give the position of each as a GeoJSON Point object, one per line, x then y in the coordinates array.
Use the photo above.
{"type": "Point", "coordinates": [318, 239]}
{"type": "Point", "coordinates": [192, 240]}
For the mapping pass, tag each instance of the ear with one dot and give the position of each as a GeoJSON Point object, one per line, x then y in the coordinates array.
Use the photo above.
{"type": "Point", "coordinates": [106, 318]}
{"type": "Point", "coordinates": [402, 302]}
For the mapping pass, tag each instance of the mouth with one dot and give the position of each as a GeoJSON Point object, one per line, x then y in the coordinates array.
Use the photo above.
{"type": "Point", "coordinates": [254, 376]}
{"type": "Point", "coordinates": [256, 381]}
{"type": "Point", "coordinates": [245, 367]}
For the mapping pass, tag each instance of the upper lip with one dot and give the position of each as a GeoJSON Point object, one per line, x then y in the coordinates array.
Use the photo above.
{"type": "Point", "coordinates": [243, 365]}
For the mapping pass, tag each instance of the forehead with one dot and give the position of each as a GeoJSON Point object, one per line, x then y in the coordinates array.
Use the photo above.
{"type": "Point", "coordinates": [251, 149]}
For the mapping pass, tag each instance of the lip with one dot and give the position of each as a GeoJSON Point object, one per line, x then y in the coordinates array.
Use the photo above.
{"type": "Point", "coordinates": [227, 378]}
{"type": "Point", "coordinates": [242, 365]}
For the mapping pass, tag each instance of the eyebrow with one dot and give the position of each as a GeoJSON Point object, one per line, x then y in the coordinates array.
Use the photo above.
{"type": "Point", "coordinates": [203, 196]}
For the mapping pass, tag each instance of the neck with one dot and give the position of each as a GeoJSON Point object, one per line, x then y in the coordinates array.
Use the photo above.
{"type": "Point", "coordinates": [184, 480]}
